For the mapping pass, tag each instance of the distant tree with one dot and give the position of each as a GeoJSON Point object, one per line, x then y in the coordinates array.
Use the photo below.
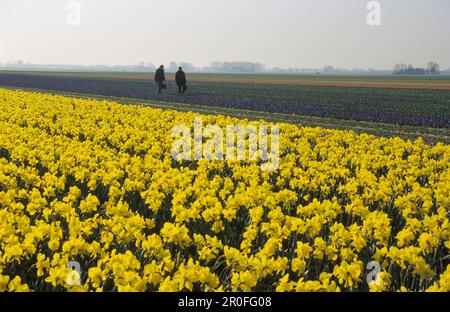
{"type": "Point", "coordinates": [173, 67]}
{"type": "Point", "coordinates": [433, 68]}
{"type": "Point", "coordinates": [216, 64]}
{"type": "Point", "coordinates": [400, 68]}
{"type": "Point", "coordinates": [403, 69]}
{"type": "Point", "coordinates": [187, 67]}
{"type": "Point", "coordinates": [328, 69]}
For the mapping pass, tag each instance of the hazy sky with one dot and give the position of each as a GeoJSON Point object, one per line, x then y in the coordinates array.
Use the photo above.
{"type": "Point", "coordinates": [285, 33]}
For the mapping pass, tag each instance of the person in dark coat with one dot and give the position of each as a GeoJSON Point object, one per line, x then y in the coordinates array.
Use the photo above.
{"type": "Point", "coordinates": [160, 77]}
{"type": "Point", "coordinates": [180, 79]}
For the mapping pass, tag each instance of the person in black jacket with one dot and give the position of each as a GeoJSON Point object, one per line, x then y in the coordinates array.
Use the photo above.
{"type": "Point", "coordinates": [180, 79]}
{"type": "Point", "coordinates": [160, 77]}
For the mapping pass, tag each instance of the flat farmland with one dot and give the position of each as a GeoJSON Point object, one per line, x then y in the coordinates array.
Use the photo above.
{"type": "Point", "coordinates": [386, 105]}
{"type": "Point", "coordinates": [74, 154]}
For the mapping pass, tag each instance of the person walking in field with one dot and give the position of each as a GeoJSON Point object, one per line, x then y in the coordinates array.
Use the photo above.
{"type": "Point", "coordinates": [180, 79]}
{"type": "Point", "coordinates": [160, 77]}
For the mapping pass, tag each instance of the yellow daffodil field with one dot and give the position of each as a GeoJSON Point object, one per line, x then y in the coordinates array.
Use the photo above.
{"type": "Point", "coordinates": [94, 183]}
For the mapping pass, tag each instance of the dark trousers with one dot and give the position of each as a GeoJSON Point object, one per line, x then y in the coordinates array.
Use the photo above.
{"type": "Point", "coordinates": [159, 85]}
{"type": "Point", "coordinates": [182, 88]}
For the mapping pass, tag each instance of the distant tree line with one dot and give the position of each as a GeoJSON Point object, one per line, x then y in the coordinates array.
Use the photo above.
{"type": "Point", "coordinates": [403, 69]}
{"type": "Point", "coordinates": [219, 67]}
{"type": "Point", "coordinates": [237, 67]}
